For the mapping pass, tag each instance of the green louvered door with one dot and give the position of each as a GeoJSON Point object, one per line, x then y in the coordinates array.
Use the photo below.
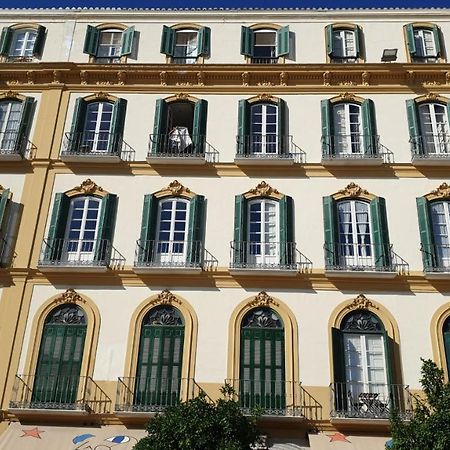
{"type": "Point", "coordinates": [446, 334]}
{"type": "Point", "coordinates": [158, 377]}
{"type": "Point", "coordinates": [262, 365]}
{"type": "Point", "coordinates": [56, 382]}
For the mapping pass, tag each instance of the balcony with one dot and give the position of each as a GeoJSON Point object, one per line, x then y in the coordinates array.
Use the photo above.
{"type": "Point", "coordinates": [272, 258]}
{"type": "Point", "coordinates": [436, 260]}
{"type": "Point", "coordinates": [270, 398]}
{"type": "Point", "coordinates": [353, 149]}
{"type": "Point", "coordinates": [180, 148]}
{"type": "Point", "coordinates": [57, 395]}
{"type": "Point", "coordinates": [14, 146]}
{"type": "Point", "coordinates": [184, 59]}
{"type": "Point", "coordinates": [86, 255]}
{"type": "Point", "coordinates": [430, 149]}
{"type": "Point", "coordinates": [365, 260]}
{"type": "Point", "coordinates": [99, 147]}
{"type": "Point", "coordinates": [267, 149]}
{"type": "Point", "coordinates": [264, 60]}
{"type": "Point", "coordinates": [146, 396]}
{"type": "Point", "coordinates": [375, 401]}
{"type": "Point", "coordinates": [174, 256]}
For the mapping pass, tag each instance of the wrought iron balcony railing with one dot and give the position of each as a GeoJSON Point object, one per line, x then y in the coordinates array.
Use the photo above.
{"type": "Point", "coordinates": [265, 60]}
{"type": "Point", "coordinates": [70, 393]}
{"type": "Point", "coordinates": [344, 59]}
{"type": "Point", "coordinates": [25, 59]}
{"type": "Point", "coordinates": [354, 146]}
{"type": "Point", "coordinates": [430, 146]}
{"type": "Point", "coordinates": [173, 254]}
{"type": "Point", "coordinates": [268, 147]}
{"type": "Point", "coordinates": [436, 258]}
{"type": "Point", "coordinates": [80, 253]}
{"type": "Point", "coordinates": [14, 143]}
{"type": "Point", "coordinates": [370, 400]}
{"type": "Point", "coordinates": [270, 398]}
{"type": "Point", "coordinates": [143, 394]}
{"type": "Point", "coordinates": [184, 59]}
{"type": "Point", "coordinates": [268, 256]}
{"type": "Point", "coordinates": [180, 145]}
{"type": "Point", "coordinates": [96, 145]}
{"type": "Point", "coordinates": [364, 258]}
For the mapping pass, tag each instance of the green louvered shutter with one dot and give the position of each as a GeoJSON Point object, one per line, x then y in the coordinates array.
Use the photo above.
{"type": "Point", "coordinates": [204, 41]}
{"type": "Point", "coordinates": [410, 40]}
{"type": "Point", "coordinates": [117, 126]}
{"type": "Point", "coordinates": [340, 389]}
{"type": "Point", "coordinates": [380, 233]}
{"type": "Point", "coordinates": [4, 202]}
{"type": "Point", "coordinates": [77, 128]}
{"type": "Point", "coordinates": [247, 41]}
{"type": "Point", "coordinates": [447, 350]}
{"type": "Point", "coordinates": [426, 234]}
{"type": "Point", "coordinates": [199, 127]}
{"type": "Point", "coordinates": [57, 228]}
{"type": "Point", "coordinates": [437, 39]}
{"type": "Point", "coordinates": [39, 42]}
{"type": "Point", "coordinates": [287, 245]}
{"type": "Point", "coordinates": [327, 128]}
{"type": "Point", "coordinates": [167, 41]}
{"type": "Point", "coordinates": [160, 127]}
{"type": "Point", "coordinates": [369, 123]}
{"type": "Point", "coordinates": [127, 41]}
{"type": "Point", "coordinates": [283, 127]}
{"type": "Point", "coordinates": [148, 229]}
{"type": "Point", "coordinates": [329, 39]}
{"type": "Point", "coordinates": [25, 124]}
{"type": "Point", "coordinates": [91, 40]}
{"type": "Point", "coordinates": [389, 357]}
{"type": "Point", "coordinates": [243, 146]}
{"type": "Point", "coordinates": [330, 231]}
{"type": "Point", "coordinates": [358, 41]}
{"type": "Point", "coordinates": [283, 41]}
{"type": "Point", "coordinates": [196, 230]}
{"type": "Point", "coordinates": [414, 127]}
{"type": "Point", "coordinates": [240, 230]}
{"type": "Point", "coordinates": [107, 219]}
{"type": "Point", "coordinates": [5, 40]}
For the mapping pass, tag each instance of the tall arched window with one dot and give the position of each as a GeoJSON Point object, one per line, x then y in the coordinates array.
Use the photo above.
{"type": "Point", "coordinates": [158, 375]}
{"type": "Point", "coordinates": [60, 358]}
{"type": "Point", "coordinates": [262, 364]}
{"type": "Point", "coordinates": [446, 334]}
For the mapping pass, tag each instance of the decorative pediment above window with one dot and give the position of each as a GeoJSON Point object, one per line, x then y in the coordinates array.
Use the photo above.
{"type": "Point", "coordinates": [181, 97]}
{"type": "Point", "coordinates": [353, 190]}
{"type": "Point", "coordinates": [442, 192]}
{"type": "Point", "coordinates": [262, 299]}
{"type": "Point", "coordinates": [165, 298]}
{"type": "Point", "coordinates": [87, 187]}
{"type": "Point", "coordinates": [432, 97]}
{"type": "Point", "coordinates": [70, 296]}
{"type": "Point", "coordinates": [263, 97]}
{"type": "Point", "coordinates": [263, 189]}
{"type": "Point", "coordinates": [100, 97]}
{"type": "Point", "coordinates": [361, 302]}
{"type": "Point", "coordinates": [175, 189]}
{"type": "Point", "coordinates": [12, 95]}
{"type": "Point", "coordinates": [347, 97]}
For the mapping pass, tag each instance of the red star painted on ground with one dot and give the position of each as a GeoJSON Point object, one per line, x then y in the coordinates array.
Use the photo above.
{"type": "Point", "coordinates": [338, 437]}
{"type": "Point", "coordinates": [34, 432]}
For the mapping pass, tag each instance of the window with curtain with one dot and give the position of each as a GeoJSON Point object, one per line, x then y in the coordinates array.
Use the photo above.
{"type": "Point", "coordinates": [434, 128]}
{"type": "Point", "coordinates": [348, 127]}
{"type": "Point", "coordinates": [344, 46]}
{"type": "Point", "coordinates": [440, 222]}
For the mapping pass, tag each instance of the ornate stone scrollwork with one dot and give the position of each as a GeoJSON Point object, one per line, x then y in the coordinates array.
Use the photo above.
{"type": "Point", "coordinates": [353, 190]}
{"type": "Point", "coordinates": [263, 190]}
{"type": "Point", "coordinates": [89, 187]}
{"type": "Point", "coordinates": [84, 77]}
{"type": "Point", "coordinates": [346, 96]}
{"type": "Point", "coordinates": [443, 191]}
{"type": "Point", "coordinates": [121, 77]}
{"type": "Point", "coordinates": [176, 188]}
{"type": "Point", "coordinates": [327, 78]}
{"type": "Point", "coordinates": [182, 96]}
{"type": "Point", "coordinates": [265, 97]}
{"type": "Point", "coordinates": [9, 94]}
{"type": "Point", "coordinates": [201, 78]}
{"type": "Point", "coordinates": [262, 299]}
{"type": "Point", "coordinates": [163, 78]}
{"type": "Point", "coordinates": [245, 78]}
{"type": "Point", "coordinates": [365, 78]}
{"type": "Point", "coordinates": [70, 296]}
{"type": "Point", "coordinates": [361, 302]}
{"type": "Point", "coordinates": [165, 298]}
{"type": "Point", "coordinates": [284, 78]}
{"type": "Point", "coordinates": [101, 95]}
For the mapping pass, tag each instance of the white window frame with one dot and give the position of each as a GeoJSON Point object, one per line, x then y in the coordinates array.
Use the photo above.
{"type": "Point", "coordinates": [85, 248]}
{"type": "Point", "coordinates": [344, 45]}
{"type": "Point", "coordinates": [354, 250]}
{"type": "Point", "coordinates": [172, 251]}
{"type": "Point", "coordinates": [9, 126]}
{"type": "Point", "coordinates": [266, 250]}
{"type": "Point", "coordinates": [101, 138]}
{"type": "Point", "coordinates": [262, 142]}
{"type": "Point", "coordinates": [425, 52]}
{"type": "Point", "coordinates": [110, 57]}
{"type": "Point", "coordinates": [189, 53]}
{"type": "Point", "coordinates": [442, 240]}
{"type": "Point", "coordinates": [351, 141]}
{"type": "Point", "coordinates": [27, 46]}
{"type": "Point", "coordinates": [435, 139]}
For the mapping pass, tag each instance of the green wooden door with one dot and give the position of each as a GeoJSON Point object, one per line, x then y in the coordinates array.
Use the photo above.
{"type": "Point", "coordinates": [60, 357]}
{"type": "Point", "coordinates": [446, 332]}
{"type": "Point", "coordinates": [262, 365]}
{"type": "Point", "coordinates": [158, 377]}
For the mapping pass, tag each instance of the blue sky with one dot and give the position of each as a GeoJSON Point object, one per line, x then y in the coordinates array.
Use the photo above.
{"type": "Point", "coordinates": [227, 3]}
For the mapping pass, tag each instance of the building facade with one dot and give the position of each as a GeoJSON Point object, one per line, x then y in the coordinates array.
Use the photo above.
{"type": "Point", "coordinates": [150, 249]}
